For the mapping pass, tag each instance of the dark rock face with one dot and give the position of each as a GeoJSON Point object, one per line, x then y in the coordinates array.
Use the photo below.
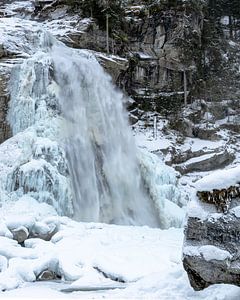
{"type": "Point", "coordinates": [155, 75]}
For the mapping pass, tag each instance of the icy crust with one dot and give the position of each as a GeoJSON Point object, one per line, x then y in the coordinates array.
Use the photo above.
{"type": "Point", "coordinates": [102, 255]}
{"type": "Point", "coordinates": [31, 163]}
{"type": "Point", "coordinates": [219, 180]}
{"type": "Point", "coordinates": [161, 182]}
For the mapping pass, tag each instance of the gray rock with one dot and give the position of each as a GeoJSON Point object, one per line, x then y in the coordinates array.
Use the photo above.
{"type": "Point", "coordinates": [1, 51]}
{"type": "Point", "coordinates": [206, 133]}
{"type": "Point", "coordinates": [211, 251]}
{"type": "Point", "coordinates": [222, 233]}
{"type": "Point", "coordinates": [43, 231]}
{"type": "Point", "coordinates": [20, 234]}
{"type": "Point", "coordinates": [47, 275]}
{"type": "Point", "coordinates": [206, 162]}
{"type": "Point", "coordinates": [184, 126]}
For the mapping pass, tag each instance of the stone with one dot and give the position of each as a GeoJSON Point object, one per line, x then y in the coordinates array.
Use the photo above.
{"type": "Point", "coordinates": [2, 52]}
{"type": "Point", "coordinates": [206, 133]}
{"type": "Point", "coordinates": [206, 162]}
{"type": "Point", "coordinates": [20, 234]}
{"type": "Point", "coordinates": [43, 231]}
{"type": "Point", "coordinates": [47, 275]}
{"type": "Point", "coordinates": [223, 233]}
{"type": "Point", "coordinates": [5, 70]}
{"type": "Point", "coordinates": [113, 65]}
{"type": "Point", "coordinates": [184, 126]}
{"type": "Point", "coordinates": [211, 250]}
{"type": "Point", "coordinates": [132, 119]}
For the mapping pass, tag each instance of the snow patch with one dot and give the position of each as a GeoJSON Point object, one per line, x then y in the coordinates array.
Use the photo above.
{"type": "Point", "coordinates": [219, 180]}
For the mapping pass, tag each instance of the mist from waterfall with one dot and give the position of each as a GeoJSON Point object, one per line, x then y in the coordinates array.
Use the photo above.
{"type": "Point", "coordinates": [99, 145]}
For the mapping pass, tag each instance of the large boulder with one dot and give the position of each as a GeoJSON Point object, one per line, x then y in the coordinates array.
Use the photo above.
{"type": "Point", "coordinates": [211, 248]}
{"type": "Point", "coordinates": [206, 162]}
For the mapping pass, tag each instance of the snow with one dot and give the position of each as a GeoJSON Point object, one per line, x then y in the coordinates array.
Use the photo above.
{"type": "Point", "coordinates": [197, 209]}
{"type": "Point", "coordinates": [214, 253]}
{"type": "Point", "coordinates": [198, 144]}
{"type": "Point", "coordinates": [148, 260]}
{"type": "Point", "coordinates": [199, 159]}
{"type": "Point", "coordinates": [150, 143]}
{"type": "Point", "coordinates": [144, 55]}
{"type": "Point", "coordinates": [219, 179]}
{"type": "Point", "coordinates": [208, 252]}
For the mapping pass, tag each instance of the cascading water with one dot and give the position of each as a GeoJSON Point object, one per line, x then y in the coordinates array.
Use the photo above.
{"type": "Point", "coordinates": [78, 152]}
{"type": "Point", "coordinates": [99, 145]}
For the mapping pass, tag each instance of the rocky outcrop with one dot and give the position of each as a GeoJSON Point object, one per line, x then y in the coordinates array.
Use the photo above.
{"type": "Point", "coordinates": [211, 247]}
{"type": "Point", "coordinates": [206, 162]}
{"type": "Point", "coordinates": [211, 250]}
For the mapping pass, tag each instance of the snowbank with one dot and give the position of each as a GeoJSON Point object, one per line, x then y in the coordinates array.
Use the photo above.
{"type": "Point", "coordinates": [219, 180]}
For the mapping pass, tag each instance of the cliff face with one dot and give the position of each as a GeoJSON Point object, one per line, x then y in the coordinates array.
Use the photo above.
{"type": "Point", "coordinates": [154, 51]}
{"type": "Point", "coordinates": [155, 78]}
{"type": "Point", "coordinates": [163, 45]}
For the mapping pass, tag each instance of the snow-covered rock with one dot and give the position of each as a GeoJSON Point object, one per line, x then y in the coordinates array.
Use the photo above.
{"type": "Point", "coordinates": [211, 247]}
{"type": "Point", "coordinates": [220, 179]}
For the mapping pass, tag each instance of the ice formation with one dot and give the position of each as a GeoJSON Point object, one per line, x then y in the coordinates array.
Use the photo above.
{"type": "Point", "coordinates": [79, 155]}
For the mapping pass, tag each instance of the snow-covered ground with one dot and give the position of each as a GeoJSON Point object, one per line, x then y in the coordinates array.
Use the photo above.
{"type": "Point", "coordinates": [137, 262]}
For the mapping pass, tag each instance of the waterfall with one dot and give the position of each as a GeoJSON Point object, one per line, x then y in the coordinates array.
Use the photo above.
{"type": "Point", "coordinates": [99, 145]}
{"type": "Point", "coordinates": [81, 157]}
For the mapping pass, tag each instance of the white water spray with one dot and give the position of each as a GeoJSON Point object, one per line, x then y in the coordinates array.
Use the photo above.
{"type": "Point", "coordinates": [99, 145]}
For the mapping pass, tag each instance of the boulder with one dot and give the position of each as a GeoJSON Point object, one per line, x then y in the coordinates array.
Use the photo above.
{"type": "Point", "coordinates": [183, 125]}
{"type": "Point", "coordinates": [212, 235]}
{"type": "Point", "coordinates": [44, 231]}
{"type": "Point", "coordinates": [47, 275]}
{"type": "Point", "coordinates": [20, 234]}
{"type": "Point", "coordinates": [206, 162]}
{"type": "Point", "coordinates": [206, 132]}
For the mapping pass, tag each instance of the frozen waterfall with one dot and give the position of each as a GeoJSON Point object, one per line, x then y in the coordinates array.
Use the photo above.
{"type": "Point", "coordinates": [81, 157]}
